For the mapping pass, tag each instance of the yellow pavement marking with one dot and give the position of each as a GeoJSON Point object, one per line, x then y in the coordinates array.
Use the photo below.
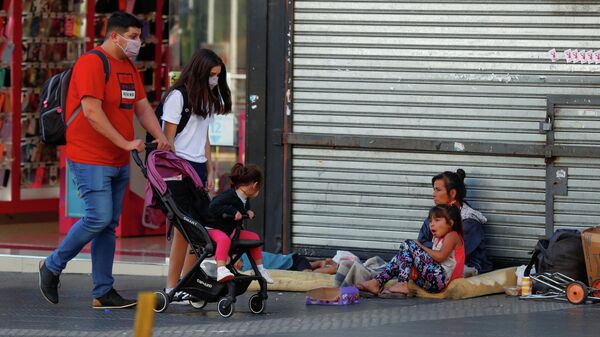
{"type": "Point", "coordinates": [144, 315]}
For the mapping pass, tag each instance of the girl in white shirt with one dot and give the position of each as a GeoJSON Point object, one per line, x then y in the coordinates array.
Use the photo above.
{"type": "Point", "coordinates": [204, 80]}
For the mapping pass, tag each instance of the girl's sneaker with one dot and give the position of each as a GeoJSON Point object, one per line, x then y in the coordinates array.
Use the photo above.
{"type": "Point", "coordinates": [265, 274]}
{"type": "Point", "coordinates": [224, 275]}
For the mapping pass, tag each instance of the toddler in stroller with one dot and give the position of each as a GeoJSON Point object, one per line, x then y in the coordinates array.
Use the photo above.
{"type": "Point", "coordinates": [174, 186]}
{"type": "Point", "coordinates": [228, 210]}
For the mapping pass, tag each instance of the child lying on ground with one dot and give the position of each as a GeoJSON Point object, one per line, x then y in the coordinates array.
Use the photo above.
{"type": "Point", "coordinates": [293, 261]}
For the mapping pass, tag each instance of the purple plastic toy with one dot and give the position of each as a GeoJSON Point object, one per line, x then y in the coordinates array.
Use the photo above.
{"type": "Point", "coordinates": [332, 296]}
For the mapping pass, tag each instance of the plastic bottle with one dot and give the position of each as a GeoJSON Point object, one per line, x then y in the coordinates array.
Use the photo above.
{"type": "Point", "coordinates": [526, 286]}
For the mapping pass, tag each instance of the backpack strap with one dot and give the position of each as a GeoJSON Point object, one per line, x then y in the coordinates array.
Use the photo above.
{"type": "Point", "coordinates": [105, 62]}
{"type": "Point", "coordinates": [537, 256]}
{"type": "Point", "coordinates": [186, 112]}
{"type": "Point", "coordinates": [106, 65]}
{"type": "Point", "coordinates": [532, 262]}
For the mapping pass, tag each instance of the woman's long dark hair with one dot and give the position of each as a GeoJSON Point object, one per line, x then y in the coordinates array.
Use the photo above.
{"type": "Point", "coordinates": [194, 77]}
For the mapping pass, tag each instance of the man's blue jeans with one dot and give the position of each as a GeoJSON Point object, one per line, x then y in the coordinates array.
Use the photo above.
{"type": "Point", "coordinates": [102, 188]}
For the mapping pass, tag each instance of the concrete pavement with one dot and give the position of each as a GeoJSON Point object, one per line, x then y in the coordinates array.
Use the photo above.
{"type": "Point", "coordinates": [23, 312]}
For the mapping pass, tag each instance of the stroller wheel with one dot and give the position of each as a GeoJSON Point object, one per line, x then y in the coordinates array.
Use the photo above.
{"type": "Point", "coordinates": [162, 301]}
{"type": "Point", "coordinates": [577, 292]}
{"type": "Point", "coordinates": [257, 304]}
{"type": "Point", "coordinates": [225, 310]}
{"type": "Point", "coordinates": [596, 285]}
{"type": "Point", "coordinates": [199, 304]}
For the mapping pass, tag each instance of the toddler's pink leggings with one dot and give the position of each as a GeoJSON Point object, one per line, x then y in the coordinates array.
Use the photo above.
{"type": "Point", "coordinates": [224, 242]}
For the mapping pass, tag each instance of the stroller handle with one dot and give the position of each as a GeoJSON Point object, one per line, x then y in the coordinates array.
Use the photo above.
{"type": "Point", "coordinates": [136, 157]}
{"type": "Point", "coordinates": [229, 216]}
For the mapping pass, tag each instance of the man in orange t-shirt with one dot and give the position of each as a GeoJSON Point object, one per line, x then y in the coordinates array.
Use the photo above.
{"type": "Point", "coordinates": [99, 141]}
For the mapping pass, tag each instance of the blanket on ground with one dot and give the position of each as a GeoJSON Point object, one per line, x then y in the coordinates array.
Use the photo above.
{"type": "Point", "coordinates": [480, 285]}
{"type": "Point", "coordinates": [353, 272]}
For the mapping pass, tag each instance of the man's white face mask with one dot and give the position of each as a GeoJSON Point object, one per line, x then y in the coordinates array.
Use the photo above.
{"type": "Point", "coordinates": [132, 48]}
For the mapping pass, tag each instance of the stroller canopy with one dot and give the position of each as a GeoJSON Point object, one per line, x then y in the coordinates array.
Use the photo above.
{"type": "Point", "coordinates": [162, 165]}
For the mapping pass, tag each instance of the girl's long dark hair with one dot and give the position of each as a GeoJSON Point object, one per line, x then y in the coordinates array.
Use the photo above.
{"type": "Point", "coordinates": [194, 77]}
{"type": "Point", "coordinates": [451, 214]}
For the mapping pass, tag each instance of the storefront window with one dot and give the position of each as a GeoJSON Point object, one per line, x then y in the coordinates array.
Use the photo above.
{"type": "Point", "coordinates": [220, 26]}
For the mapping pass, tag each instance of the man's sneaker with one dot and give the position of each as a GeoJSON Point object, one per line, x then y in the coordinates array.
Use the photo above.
{"type": "Point", "coordinates": [48, 283]}
{"type": "Point", "coordinates": [224, 275]}
{"type": "Point", "coordinates": [112, 300]}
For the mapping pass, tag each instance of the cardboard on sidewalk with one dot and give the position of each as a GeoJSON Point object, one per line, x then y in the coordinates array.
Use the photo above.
{"type": "Point", "coordinates": [591, 251]}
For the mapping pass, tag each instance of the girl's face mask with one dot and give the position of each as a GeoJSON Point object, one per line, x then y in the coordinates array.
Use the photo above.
{"type": "Point", "coordinates": [213, 81]}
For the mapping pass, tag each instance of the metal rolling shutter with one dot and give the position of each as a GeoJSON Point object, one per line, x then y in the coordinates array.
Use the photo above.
{"type": "Point", "coordinates": [464, 70]}
{"type": "Point", "coordinates": [580, 208]}
{"type": "Point", "coordinates": [374, 199]}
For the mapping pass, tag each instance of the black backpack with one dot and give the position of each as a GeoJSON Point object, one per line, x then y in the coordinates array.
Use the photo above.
{"type": "Point", "coordinates": [562, 253]}
{"type": "Point", "coordinates": [186, 113]}
{"type": "Point", "coordinates": [53, 103]}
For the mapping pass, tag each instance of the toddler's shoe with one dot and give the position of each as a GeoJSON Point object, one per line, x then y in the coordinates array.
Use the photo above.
{"type": "Point", "coordinates": [224, 275]}
{"type": "Point", "coordinates": [265, 274]}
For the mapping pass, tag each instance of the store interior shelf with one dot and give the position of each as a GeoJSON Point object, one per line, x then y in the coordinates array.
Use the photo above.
{"type": "Point", "coordinates": [53, 15]}
{"type": "Point", "coordinates": [31, 167]}
{"type": "Point", "coordinates": [53, 39]}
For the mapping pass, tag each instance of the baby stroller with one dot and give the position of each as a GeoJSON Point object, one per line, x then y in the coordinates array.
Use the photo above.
{"type": "Point", "coordinates": [177, 190]}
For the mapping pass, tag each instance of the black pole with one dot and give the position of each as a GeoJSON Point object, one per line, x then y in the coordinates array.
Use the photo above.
{"type": "Point", "coordinates": [256, 103]}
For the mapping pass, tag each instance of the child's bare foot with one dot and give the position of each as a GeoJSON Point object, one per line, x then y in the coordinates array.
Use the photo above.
{"type": "Point", "coordinates": [401, 287]}
{"type": "Point", "coordinates": [372, 286]}
{"type": "Point", "coordinates": [326, 270]}
{"type": "Point", "coordinates": [316, 264]}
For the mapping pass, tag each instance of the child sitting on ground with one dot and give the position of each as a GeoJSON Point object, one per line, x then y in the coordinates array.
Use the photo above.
{"type": "Point", "coordinates": [227, 208]}
{"type": "Point", "coordinates": [435, 268]}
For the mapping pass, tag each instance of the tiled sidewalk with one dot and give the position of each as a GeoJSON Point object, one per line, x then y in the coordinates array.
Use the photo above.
{"type": "Point", "coordinates": [23, 312]}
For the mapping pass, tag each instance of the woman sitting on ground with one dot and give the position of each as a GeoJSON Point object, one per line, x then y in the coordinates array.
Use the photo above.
{"type": "Point", "coordinates": [449, 189]}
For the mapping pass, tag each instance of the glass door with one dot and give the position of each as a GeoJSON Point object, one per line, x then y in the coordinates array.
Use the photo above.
{"type": "Point", "coordinates": [53, 39]}
{"type": "Point", "coordinates": [220, 26]}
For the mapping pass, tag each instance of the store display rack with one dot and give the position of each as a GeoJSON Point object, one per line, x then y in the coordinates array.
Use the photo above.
{"type": "Point", "coordinates": [39, 38]}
